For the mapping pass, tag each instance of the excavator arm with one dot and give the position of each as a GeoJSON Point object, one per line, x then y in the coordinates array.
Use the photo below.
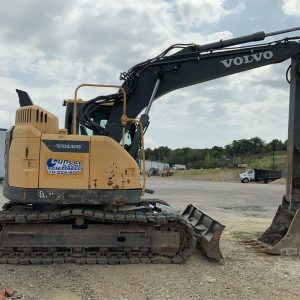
{"type": "Point", "coordinates": [190, 65]}
{"type": "Point", "coordinates": [184, 69]}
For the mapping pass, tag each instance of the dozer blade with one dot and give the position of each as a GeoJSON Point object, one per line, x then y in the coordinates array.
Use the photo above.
{"type": "Point", "coordinates": [207, 231]}
{"type": "Point", "coordinates": [282, 237]}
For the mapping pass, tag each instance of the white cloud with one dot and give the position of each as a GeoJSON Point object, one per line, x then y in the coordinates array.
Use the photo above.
{"type": "Point", "coordinates": [199, 12]}
{"type": "Point", "coordinates": [149, 143]}
{"type": "Point", "coordinates": [8, 101]}
{"type": "Point", "coordinates": [291, 7]}
{"type": "Point", "coordinates": [49, 47]}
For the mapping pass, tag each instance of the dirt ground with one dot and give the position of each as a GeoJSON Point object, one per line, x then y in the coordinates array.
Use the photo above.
{"type": "Point", "coordinates": [245, 209]}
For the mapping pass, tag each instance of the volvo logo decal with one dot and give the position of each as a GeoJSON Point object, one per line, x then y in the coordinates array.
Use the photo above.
{"type": "Point", "coordinates": [246, 59]}
{"type": "Point", "coordinates": [67, 146]}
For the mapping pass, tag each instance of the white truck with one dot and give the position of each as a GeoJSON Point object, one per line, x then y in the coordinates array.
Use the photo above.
{"type": "Point", "coordinates": [260, 175]}
{"type": "Point", "coordinates": [179, 167]}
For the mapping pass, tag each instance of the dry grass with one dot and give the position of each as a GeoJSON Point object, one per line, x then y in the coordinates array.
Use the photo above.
{"type": "Point", "coordinates": [259, 161]}
{"type": "Point", "coordinates": [265, 161]}
{"type": "Point", "coordinates": [210, 174]}
{"type": "Point", "coordinates": [244, 235]}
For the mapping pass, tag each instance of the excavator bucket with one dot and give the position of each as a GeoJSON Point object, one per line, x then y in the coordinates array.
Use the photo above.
{"type": "Point", "coordinates": [207, 231]}
{"type": "Point", "coordinates": [282, 237]}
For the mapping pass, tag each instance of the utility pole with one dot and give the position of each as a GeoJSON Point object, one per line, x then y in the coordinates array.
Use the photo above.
{"type": "Point", "coordinates": [274, 148]}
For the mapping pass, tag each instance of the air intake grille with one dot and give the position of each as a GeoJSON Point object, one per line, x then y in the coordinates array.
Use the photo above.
{"type": "Point", "coordinates": [29, 115]}
{"type": "Point", "coordinates": [24, 115]}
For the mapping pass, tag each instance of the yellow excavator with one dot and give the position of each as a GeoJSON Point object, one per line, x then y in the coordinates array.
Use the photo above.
{"type": "Point", "coordinates": [76, 194]}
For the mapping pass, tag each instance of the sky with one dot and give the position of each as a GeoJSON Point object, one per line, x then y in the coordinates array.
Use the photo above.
{"type": "Point", "coordinates": [49, 47]}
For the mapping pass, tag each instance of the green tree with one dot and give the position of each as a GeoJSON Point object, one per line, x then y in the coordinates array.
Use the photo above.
{"type": "Point", "coordinates": [275, 145]}
{"type": "Point", "coordinates": [257, 145]}
{"type": "Point", "coordinates": [161, 153]}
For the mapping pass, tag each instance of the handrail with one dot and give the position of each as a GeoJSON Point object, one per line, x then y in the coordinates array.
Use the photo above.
{"type": "Point", "coordinates": [74, 129]}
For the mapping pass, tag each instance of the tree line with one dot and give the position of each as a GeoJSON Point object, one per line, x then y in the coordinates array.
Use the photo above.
{"type": "Point", "coordinates": [227, 156]}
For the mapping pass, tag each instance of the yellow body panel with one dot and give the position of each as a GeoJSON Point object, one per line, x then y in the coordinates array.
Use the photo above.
{"type": "Point", "coordinates": [24, 167]}
{"type": "Point", "coordinates": [30, 123]}
{"type": "Point", "coordinates": [57, 178]}
{"type": "Point", "coordinates": [42, 120]}
{"type": "Point", "coordinates": [111, 166]}
{"type": "Point", "coordinates": [42, 156]}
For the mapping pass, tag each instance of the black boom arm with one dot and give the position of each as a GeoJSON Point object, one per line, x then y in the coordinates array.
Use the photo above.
{"type": "Point", "coordinates": [190, 65]}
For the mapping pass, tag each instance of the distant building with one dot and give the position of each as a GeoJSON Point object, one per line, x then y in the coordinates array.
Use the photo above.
{"type": "Point", "coordinates": [2, 149]}
{"type": "Point", "coordinates": [179, 167]}
{"type": "Point", "coordinates": [156, 164]}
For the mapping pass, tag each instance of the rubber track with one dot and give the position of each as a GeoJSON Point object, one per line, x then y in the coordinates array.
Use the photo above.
{"type": "Point", "coordinates": [102, 255]}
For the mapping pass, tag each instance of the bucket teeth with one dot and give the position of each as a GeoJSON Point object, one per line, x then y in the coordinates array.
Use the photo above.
{"type": "Point", "coordinates": [282, 237]}
{"type": "Point", "coordinates": [260, 246]}
{"type": "Point", "coordinates": [252, 242]}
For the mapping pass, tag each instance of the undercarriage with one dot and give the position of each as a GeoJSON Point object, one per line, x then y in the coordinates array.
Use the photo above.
{"type": "Point", "coordinates": [150, 233]}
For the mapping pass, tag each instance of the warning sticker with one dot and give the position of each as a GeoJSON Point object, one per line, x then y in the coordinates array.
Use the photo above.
{"type": "Point", "coordinates": [63, 166]}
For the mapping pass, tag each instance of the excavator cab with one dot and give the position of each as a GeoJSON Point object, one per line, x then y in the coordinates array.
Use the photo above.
{"type": "Point", "coordinates": [99, 117]}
